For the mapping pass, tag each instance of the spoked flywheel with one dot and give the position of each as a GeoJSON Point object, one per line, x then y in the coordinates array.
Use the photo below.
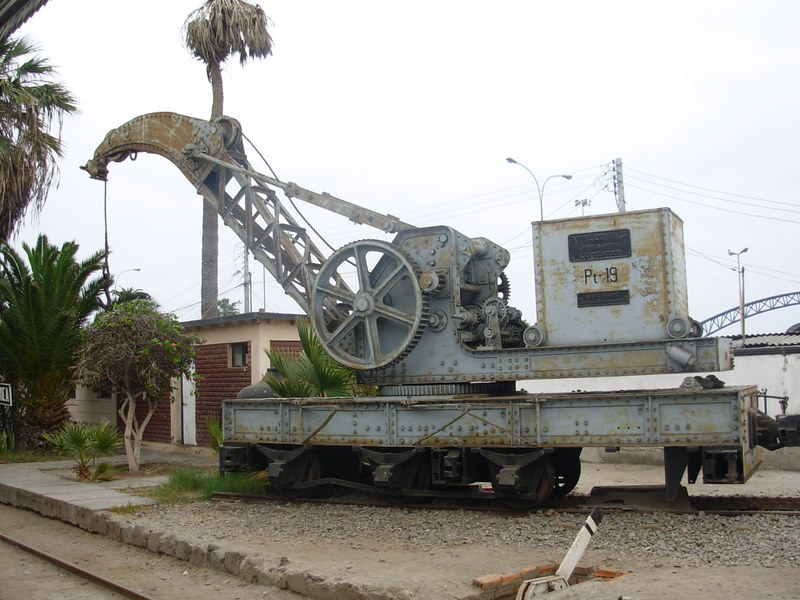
{"type": "Point", "coordinates": [367, 306]}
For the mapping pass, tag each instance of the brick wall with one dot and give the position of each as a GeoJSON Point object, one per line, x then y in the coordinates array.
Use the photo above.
{"type": "Point", "coordinates": [288, 347]}
{"type": "Point", "coordinates": [216, 382]}
{"type": "Point", "coordinates": [158, 429]}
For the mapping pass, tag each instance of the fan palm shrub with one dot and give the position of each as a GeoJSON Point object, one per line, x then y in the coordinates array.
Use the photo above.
{"type": "Point", "coordinates": [85, 445]}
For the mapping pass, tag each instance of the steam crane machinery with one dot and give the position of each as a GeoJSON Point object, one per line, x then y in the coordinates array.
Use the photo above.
{"type": "Point", "coordinates": [427, 318]}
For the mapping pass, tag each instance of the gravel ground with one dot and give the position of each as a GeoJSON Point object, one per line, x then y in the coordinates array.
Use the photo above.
{"type": "Point", "coordinates": [659, 539]}
{"type": "Point", "coordinates": [404, 553]}
{"type": "Point", "coordinates": [435, 554]}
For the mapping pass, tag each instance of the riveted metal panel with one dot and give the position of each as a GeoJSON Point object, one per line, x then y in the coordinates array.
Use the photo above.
{"type": "Point", "coordinates": [596, 422]}
{"type": "Point", "coordinates": [633, 419]}
{"type": "Point", "coordinates": [611, 278]}
{"type": "Point", "coordinates": [345, 425]}
{"type": "Point", "coordinates": [457, 424]}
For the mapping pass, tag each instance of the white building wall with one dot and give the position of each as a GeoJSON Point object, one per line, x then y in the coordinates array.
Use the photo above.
{"type": "Point", "coordinates": [778, 374]}
{"type": "Point", "coordinates": [86, 407]}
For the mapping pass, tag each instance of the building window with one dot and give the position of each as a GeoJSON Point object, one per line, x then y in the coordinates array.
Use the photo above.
{"type": "Point", "coordinates": [240, 354]}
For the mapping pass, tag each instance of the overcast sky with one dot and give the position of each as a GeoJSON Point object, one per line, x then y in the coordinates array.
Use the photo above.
{"type": "Point", "coordinates": [411, 108]}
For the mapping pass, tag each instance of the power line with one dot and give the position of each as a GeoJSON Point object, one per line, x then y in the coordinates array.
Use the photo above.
{"type": "Point", "coordinates": [716, 197]}
{"type": "Point", "coordinates": [728, 210]}
{"type": "Point", "coordinates": [712, 190]}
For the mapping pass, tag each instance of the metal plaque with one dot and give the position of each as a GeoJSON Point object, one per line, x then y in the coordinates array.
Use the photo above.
{"type": "Point", "coordinates": [599, 245]}
{"type": "Point", "coordinates": [588, 299]}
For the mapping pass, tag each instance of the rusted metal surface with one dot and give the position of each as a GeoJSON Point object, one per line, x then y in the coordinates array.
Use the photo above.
{"type": "Point", "coordinates": [434, 360]}
{"type": "Point", "coordinates": [644, 499]}
{"type": "Point", "coordinates": [611, 278]}
{"type": "Point", "coordinates": [173, 136]}
{"type": "Point", "coordinates": [625, 419]}
{"type": "Point", "coordinates": [434, 307]}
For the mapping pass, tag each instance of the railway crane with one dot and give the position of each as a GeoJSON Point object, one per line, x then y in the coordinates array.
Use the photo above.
{"type": "Point", "coordinates": [427, 318]}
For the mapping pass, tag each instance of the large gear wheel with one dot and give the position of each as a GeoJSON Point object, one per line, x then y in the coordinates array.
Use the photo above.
{"type": "Point", "coordinates": [367, 306]}
{"type": "Point", "coordinates": [503, 288]}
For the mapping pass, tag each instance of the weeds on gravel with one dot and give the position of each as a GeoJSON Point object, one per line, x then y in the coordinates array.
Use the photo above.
{"type": "Point", "coordinates": [190, 485]}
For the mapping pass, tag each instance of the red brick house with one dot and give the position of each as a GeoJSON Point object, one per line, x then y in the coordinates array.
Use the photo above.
{"type": "Point", "coordinates": [232, 357]}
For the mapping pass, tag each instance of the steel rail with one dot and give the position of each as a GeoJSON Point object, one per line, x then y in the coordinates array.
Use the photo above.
{"type": "Point", "coordinates": [106, 583]}
{"type": "Point", "coordinates": [573, 503]}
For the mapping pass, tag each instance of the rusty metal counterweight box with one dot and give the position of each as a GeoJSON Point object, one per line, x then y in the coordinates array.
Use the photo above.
{"type": "Point", "coordinates": [611, 278]}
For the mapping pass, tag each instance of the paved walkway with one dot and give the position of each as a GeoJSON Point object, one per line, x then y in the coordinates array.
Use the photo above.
{"type": "Point", "coordinates": [37, 485]}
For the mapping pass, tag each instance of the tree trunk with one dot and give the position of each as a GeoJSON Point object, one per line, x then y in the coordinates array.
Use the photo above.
{"type": "Point", "coordinates": [127, 411]}
{"type": "Point", "coordinates": [209, 286]}
{"type": "Point", "coordinates": [209, 273]}
{"type": "Point", "coordinates": [217, 94]}
{"type": "Point", "coordinates": [134, 432]}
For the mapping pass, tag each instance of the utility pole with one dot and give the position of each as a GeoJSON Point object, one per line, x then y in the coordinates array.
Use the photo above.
{"type": "Point", "coordinates": [619, 189]}
{"type": "Point", "coordinates": [248, 283]}
{"type": "Point", "coordinates": [740, 277]}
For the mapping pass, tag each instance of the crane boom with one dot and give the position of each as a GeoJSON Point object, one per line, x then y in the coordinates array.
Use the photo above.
{"type": "Point", "coordinates": [430, 310]}
{"type": "Point", "coordinates": [211, 156]}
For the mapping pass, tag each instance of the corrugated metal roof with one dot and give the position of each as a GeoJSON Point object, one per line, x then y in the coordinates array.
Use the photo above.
{"type": "Point", "coordinates": [13, 13]}
{"type": "Point", "coordinates": [779, 341]}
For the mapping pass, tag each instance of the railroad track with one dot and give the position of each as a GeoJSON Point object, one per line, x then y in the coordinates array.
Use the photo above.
{"type": "Point", "coordinates": [61, 563]}
{"type": "Point", "coordinates": [624, 500]}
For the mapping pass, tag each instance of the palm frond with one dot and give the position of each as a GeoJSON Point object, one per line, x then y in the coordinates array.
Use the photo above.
{"type": "Point", "coordinates": [31, 114]}
{"type": "Point", "coordinates": [312, 373]}
{"type": "Point", "coordinates": [46, 294]}
{"type": "Point", "coordinates": [221, 28]}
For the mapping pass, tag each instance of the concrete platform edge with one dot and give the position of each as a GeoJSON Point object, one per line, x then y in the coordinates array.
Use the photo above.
{"type": "Point", "coordinates": [252, 568]}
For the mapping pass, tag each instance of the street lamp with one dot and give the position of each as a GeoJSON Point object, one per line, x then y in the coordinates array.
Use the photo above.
{"type": "Point", "coordinates": [740, 277]}
{"type": "Point", "coordinates": [538, 187]}
{"type": "Point", "coordinates": [121, 273]}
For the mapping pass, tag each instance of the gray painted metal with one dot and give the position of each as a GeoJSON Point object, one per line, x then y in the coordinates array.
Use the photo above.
{"type": "Point", "coordinates": [611, 278]}
{"type": "Point", "coordinates": [434, 306]}
{"type": "Point", "coordinates": [680, 417]}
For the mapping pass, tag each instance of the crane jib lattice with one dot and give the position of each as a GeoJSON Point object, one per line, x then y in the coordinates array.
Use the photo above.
{"type": "Point", "coordinates": [729, 317]}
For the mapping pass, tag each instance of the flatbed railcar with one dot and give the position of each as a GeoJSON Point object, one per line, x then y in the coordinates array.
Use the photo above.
{"type": "Point", "coordinates": [427, 319]}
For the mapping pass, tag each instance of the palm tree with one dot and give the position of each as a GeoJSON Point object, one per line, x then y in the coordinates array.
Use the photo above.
{"type": "Point", "coordinates": [129, 294]}
{"type": "Point", "coordinates": [45, 298]}
{"type": "Point", "coordinates": [213, 33]}
{"type": "Point", "coordinates": [31, 108]}
{"type": "Point", "coordinates": [311, 373]}
{"type": "Point", "coordinates": [227, 308]}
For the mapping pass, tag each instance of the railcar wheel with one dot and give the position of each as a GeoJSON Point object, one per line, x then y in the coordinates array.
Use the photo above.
{"type": "Point", "coordinates": [541, 490]}
{"type": "Point", "coordinates": [567, 463]}
{"type": "Point", "coordinates": [371, 318]}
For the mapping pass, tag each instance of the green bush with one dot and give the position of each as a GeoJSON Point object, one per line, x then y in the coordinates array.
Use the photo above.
{"type": "Point", "coordinates": [215, 431]}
